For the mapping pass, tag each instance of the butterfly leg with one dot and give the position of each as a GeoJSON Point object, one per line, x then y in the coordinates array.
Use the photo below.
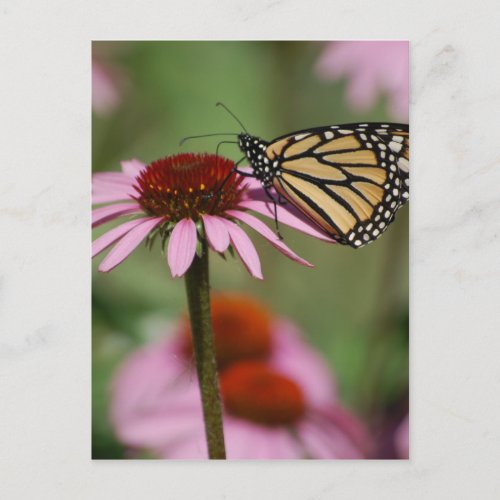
{"type": "Point", "coordinates": [228, 176]}
{"type": "Point", "coordinates": [233, 170]}
{"type": "Point", "coordinates": [276, 224]}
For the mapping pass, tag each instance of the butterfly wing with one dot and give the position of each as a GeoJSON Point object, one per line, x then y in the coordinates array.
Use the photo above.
{"type": "Point", "coordinates": [349, 179]}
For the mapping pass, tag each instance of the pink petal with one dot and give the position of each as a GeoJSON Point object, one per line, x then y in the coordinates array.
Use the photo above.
{"type": "Point", "coordinates": [216, 231]}
{"type": "Point", "coordinates": [155, 399]}
{"type": "Point", "coordinates": [161, 428]}
{"type": "Point", "coordinates": [115, 186]}
{"type": "Point", "coordinates": [323, 439]}
{"type": "Point", "coordinates": [247, 440]}
{"type": "Point", "coordinates": [262, 229]}
{"type": "Point", "coordinates": [252, 183]}
{"type": "Point", "coordinates": [112, 186]}
{"type": "Point", "coordinates": [295, 358]}
{"type": "Point", "coordinates": [112, 178]}
{"type": "Point", "coordinates": [106, 193]}
{"type": "Point", "coordinates": [190, 447]}
{"type": "Point", "coordinates": [128, 244]}
{"type": "Point", "coordinates": [287, 215]}
{"type": "Point", "coordinates": [244, 439]}
{"type": "Point", "coordinates": [244, 246]}
{"type": "Point", "coordinates": [346, 423]}
{"type": "Point", "coordinates": [285, 446]}
{"type": "Point", "coordinates": [315, 442]}
{"type": "Point", "coordinates": [112, 195]}
{"type": "Point", "coordinates": [111, 236]}
{"type": "Point", "coordinates": [182, 247]}
{"type": "Point", "coordinates": [133, 167]}
{"type": "Point", "coordinates": [105, 214]}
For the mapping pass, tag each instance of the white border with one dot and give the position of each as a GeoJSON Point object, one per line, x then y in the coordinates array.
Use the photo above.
{"type": "Point", "coordinates": [45, 271]}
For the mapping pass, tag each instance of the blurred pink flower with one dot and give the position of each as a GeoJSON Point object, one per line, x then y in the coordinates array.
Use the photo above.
{"type": "Point", "coordinates": [179, 196]}
{"type": "Point", "coordinates": [279, 398]}
{"type": "Point", "coordinates": [402, 439]}
{"type": "Point", "coordinates": [371, 69]}
{"type": "Point", "coordinates": [106, 89]}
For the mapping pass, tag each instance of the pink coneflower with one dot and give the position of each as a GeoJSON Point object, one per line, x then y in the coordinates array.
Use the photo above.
{"type": "Point", "coordinates": [184, 198]}
{"type": "Point", "coordinates": [279, 397]}
{"type": "Point", "coordinates": [371, 69]}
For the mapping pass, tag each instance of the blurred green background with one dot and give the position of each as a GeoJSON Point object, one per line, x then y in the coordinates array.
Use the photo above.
{"type": "Point", "coordinates": [353, 306]}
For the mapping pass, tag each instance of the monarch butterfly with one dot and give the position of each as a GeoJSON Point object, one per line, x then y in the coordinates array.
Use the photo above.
{"type": "Point", "coordinates": [350, 180]}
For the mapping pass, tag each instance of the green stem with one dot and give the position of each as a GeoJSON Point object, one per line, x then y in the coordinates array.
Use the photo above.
{"type": "Point", "coordinates": [198, 295]}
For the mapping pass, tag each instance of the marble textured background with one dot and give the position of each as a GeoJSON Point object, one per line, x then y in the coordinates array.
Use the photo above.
{"type": "Point", "coordinates": [45, 247]}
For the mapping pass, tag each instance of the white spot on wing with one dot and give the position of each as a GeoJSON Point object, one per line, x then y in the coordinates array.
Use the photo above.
{"type": "Point", "coordinates": [403, 164]}
{"type": "Point", "coordinates": [396, 147]}
{"type": "Point", "coordinates": [301, 136]}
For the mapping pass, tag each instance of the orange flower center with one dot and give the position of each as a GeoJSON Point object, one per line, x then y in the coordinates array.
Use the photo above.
{"type": "Point", "coordinates": [242, 329]}
{"type": "Point", "coordinates": [188, 185]}
{"type": "Point", "coordinates": [253, 390]}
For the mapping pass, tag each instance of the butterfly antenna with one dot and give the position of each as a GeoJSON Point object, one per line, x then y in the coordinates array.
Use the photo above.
{"type": "Point", "coordinates": [233, 115]}
{"type": "Point", "coordinates": [182, 141]}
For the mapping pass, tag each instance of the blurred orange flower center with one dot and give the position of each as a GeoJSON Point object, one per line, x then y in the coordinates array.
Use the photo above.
{"type": "Point", "coordinates": [188, 185]}
{"type": "Point", "coordinates": [254, 391]}
{"type": "Point", "coordinates": [242, 329]}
